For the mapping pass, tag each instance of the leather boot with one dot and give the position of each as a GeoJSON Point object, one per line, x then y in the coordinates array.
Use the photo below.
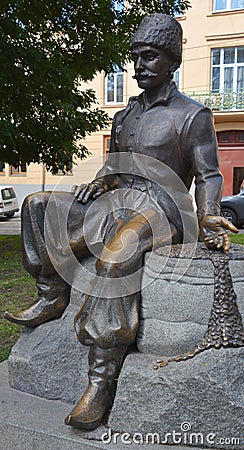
{"type": "Point", "coordinates": [104, 366]}
{"type": "Point", "coordinates": [53, 297]}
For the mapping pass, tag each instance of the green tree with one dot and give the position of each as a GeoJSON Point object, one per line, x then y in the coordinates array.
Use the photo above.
{"type": "Point", "coordinates": [47, 48]}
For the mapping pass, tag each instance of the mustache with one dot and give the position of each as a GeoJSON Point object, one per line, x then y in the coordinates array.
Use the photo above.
{"type": "Point", "coordinates": [144, 73]}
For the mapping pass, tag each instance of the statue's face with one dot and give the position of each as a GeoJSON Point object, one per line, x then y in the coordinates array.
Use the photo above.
{"type": "Point", "coordinates": [151, 66]}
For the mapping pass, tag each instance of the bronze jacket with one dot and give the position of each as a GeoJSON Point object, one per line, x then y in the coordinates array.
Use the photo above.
{"type": "Point", "coordinates": [155, 149]}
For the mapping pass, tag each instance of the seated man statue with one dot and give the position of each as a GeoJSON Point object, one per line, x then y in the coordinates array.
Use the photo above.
{"type": "Point", "coordinates": [172, 131]}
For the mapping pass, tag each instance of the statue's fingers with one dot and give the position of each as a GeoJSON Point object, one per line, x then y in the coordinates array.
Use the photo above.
{"type": "Point", "coordinates": [220, 241]}
{"type": "Point", "coordinates": [227, 241]}
{"type": "Point", "coordinates": [228, 225]}
{"type": "Point", "coordinates": [89, 193]}
{"type": "Point", "coordinates": [81, 192]}
{"type": "Point", "coordinates": [74, 188]}
{"type": "Point", "coordinates": [98, 193]}
{"type": "Point", "coordinates": [209, 241]}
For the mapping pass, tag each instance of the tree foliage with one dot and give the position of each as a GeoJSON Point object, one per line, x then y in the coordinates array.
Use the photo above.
{"type": "Point", "coordinates": [46, 49]}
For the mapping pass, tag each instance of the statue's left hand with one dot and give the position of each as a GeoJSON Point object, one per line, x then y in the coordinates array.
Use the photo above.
{"type": "Point", "coordinates": [215, 232]}
{"type": "Point", "coordinates": [85, 192]}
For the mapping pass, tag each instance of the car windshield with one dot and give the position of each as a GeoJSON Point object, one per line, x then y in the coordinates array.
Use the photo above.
{"type": "Point", "coordinates": [8, 193]}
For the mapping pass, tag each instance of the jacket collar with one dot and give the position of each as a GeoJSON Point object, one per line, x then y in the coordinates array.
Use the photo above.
{"type": "Point", "coordinates": [162, 98]}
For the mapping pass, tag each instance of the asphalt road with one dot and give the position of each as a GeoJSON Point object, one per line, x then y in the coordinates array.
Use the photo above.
{"type": "Point", "coordinates": [10, 226]}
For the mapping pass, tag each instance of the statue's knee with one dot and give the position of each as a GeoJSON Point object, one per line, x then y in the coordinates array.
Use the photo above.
{"type": "Point", "coordinates": [112, 268]}
{"type": "Point", "coordinates": [36, 199]}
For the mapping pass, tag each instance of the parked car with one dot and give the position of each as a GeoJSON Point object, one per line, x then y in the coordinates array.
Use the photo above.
{"type": "Point", "coordinates": [8, 201]}
{"type": "Point", "coordinates": [232, 208]}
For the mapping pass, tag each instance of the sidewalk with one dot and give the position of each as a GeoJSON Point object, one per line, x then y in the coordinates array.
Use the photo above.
{"type": "Point", "coordinates": [10, 227]}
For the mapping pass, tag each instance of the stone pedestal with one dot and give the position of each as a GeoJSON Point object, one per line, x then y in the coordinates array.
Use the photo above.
{"type": "Point", "coordinates": [28, 422]}
{"type": "Point", "coordinates": [176, 302]}
{"type": "Point", "coordinates": [200, 399]}
{"type": "Point", "coordinates": [49, 361]}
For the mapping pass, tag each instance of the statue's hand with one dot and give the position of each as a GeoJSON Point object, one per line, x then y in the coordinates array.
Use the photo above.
{"type": "Point", "coordinates": [85, 192]}
{"type": "Point", "coordinates": [215, 232]}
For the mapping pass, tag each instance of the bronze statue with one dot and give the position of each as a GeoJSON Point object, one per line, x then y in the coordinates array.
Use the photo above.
{"type": "Point", "coordinates": [174, 130]}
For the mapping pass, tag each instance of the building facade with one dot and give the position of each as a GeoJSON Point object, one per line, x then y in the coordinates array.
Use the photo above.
{"type": "Point", "coordinates": [212, 72]}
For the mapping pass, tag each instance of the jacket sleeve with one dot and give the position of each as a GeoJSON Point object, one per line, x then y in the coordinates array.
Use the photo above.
{"type": "Point", "coordinates": [204, 161]}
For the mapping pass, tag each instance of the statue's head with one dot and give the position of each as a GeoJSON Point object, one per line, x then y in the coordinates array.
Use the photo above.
{"type": "Point", "coordinates": [163, 32]}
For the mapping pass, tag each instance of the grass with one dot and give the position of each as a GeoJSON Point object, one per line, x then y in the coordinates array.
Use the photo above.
{"type": "Point", "coordinates": [17, 288]}
{"type": "Point", "coordinates": [237, 239]}
{"type": "Point", "coordinates": [17, 291]}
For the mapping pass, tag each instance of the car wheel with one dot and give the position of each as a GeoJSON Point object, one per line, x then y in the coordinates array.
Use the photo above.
{"type": "Point", "coordinates": [229, 215]}
{"type": "Point", "coordinates": [9, 215]}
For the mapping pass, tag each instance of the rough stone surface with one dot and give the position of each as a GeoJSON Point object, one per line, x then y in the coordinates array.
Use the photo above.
{"type": "Point", "coordinates": [28, 422]}
{"type": "Point", "coordinates": [176, 303]}
{"type": "Point", "coordinates": [202, 395]}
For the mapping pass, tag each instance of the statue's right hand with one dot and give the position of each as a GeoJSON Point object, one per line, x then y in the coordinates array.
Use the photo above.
{"type": "Point", "coordinates": [85, 192]}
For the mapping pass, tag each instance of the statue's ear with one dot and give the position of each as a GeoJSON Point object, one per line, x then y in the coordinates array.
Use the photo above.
{"type": "Point", "coordinates": [172, 68]}
{"type": "Point", "coordinates": [171, 71]}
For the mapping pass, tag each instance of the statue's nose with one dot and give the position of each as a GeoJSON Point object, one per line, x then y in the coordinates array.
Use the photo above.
{"type": "Point", "coordinates": [138, 63]}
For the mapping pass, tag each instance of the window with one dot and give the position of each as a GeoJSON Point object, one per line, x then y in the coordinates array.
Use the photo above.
{"type": "Point", "coordinates": [238, 179]}
{"type": "Point", "coordinates": [241, 136]}
{"type": "Point", "coordinates": [233, 137]}
{"type": "Point", "coordinates": [224, 137]}
{"type": "Point", "coordinates": [114, 86]}
{"type": "Point", "coordinates": [227, 5]}
{"type": "Point", "coordinates": [2, 168]}
{"type": "Point", "coordinates": [19, 169]}
{"type": "Point", "coordinates": [8, 193]}
{"type": "Point", "coordinates": [106, 146]}
{"type": "Point", "coordinates": [227, 69]}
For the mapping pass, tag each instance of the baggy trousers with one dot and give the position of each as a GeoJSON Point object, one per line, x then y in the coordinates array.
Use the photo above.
{"type": "Point", "coordinates": [53, 237]}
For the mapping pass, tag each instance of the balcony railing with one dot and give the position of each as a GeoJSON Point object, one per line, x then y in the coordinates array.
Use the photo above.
{"type": "Point", "coordinates": [220, 101]}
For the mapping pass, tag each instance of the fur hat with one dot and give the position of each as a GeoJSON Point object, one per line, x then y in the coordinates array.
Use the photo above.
{"type": "Point", "coordinates": [162, 31]}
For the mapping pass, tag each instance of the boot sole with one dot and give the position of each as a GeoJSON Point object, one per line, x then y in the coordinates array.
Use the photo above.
{"type": "Point", "coordinates": [82, 425]}
{"type": "Point", "coordinates": [31, 323]}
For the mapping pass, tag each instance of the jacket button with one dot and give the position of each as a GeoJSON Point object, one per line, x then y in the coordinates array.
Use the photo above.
{"type": "Point", "coordinates": [132, 132]}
